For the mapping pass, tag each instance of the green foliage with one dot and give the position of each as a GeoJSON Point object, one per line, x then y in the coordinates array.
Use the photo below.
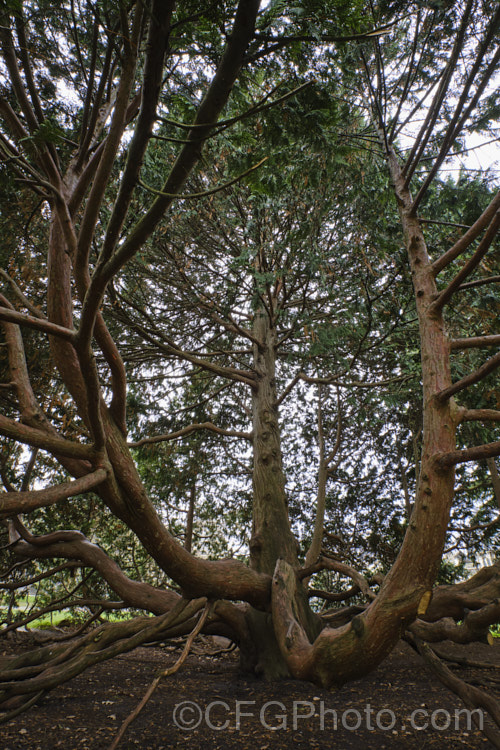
{"type": "Point", "coordinates": [49, 131]}
{"type": "Point", "coordinates": [312, 236]}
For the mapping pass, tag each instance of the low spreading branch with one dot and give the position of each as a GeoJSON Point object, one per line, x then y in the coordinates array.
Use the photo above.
{"type": "Point", "coordinates": [12, 503]}
{"type": "Point", "coordinates": [52, 665]}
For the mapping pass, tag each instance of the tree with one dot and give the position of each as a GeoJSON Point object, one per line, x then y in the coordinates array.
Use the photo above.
{"type": "Point", "coordinates": [264, 272]}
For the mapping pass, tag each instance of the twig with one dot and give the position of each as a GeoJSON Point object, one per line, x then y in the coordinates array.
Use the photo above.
{"type": "Point", "coordinates": [164, 673]}
{"type": "Point", "coordinates": [203, 193]}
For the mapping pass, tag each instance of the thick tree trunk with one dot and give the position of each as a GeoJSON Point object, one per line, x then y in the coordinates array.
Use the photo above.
{"type": "Point", "coordinates": [271, 534]}
{"type": "Point", "coordinates": [272, 537]}
{"type": "Point", "coordinates": [350, 651]}
{"type": "Point", "coordinates": [418, 562]}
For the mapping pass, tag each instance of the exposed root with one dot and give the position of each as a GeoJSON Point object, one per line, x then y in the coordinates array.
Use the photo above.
{"type": "Point", "coordinates": [39, 671]}
{"type": "Point", "coordinates": [473, 697]}
{"type": "Point", "coordinates": [23, 707]}
{"type": "Point", "coordinates": [463, 662]}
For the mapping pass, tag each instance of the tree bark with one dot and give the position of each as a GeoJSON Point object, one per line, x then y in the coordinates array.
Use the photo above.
{"type": "Point", "coordinates": [188, 537]}
{"type": "Point", "coordinates": [272, 538]}
{"type": "Point", "coordinates": [271, 534]}
{"type": "Point", "coordinates": [348, 652]}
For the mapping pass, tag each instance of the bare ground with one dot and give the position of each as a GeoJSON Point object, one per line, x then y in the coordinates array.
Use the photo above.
{"type": "Point", "coordinates": [400, 705]}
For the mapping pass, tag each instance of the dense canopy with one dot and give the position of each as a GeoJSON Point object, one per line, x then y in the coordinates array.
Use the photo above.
{"type": "Point", "coordinates": [248, 326]}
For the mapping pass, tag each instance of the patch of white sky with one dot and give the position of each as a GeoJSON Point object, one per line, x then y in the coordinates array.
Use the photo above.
{"type": "Point", "coordinates": [480, 150]}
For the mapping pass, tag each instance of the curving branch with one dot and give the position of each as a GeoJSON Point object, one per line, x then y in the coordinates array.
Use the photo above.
{"type": "Point", "coordinates": [12, 503]}
{"type": "Point", "coordinates": [187, 431]}
{"type": "Point", "coordinates": [224, 124]}
{"type": "Point", "coordinates": [204, 193]}
{"type": "Point", "coordinates": [328, 38]}
{"type": "Point", "coordinates": [228, 579]}
{"type": "Point", "coordinates": [135, 593]}
{"type": "Point", "coordinates": [338, 596]}
{"type": "Point", "coordinates": [325, 563]}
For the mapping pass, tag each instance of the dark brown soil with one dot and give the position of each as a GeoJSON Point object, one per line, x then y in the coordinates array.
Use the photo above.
{"type": "Point", "coordinates": [375, 712]}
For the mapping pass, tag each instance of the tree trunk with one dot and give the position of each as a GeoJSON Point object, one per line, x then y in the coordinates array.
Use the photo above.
{"type": "Point", "coordinates": [271, 534]}
{"type": "Point", "coordinates": [272, 537]}
{"type": "Point", "coordinates": [188, 537]}
{"type": "Point", "coordinates": [351, 651]}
